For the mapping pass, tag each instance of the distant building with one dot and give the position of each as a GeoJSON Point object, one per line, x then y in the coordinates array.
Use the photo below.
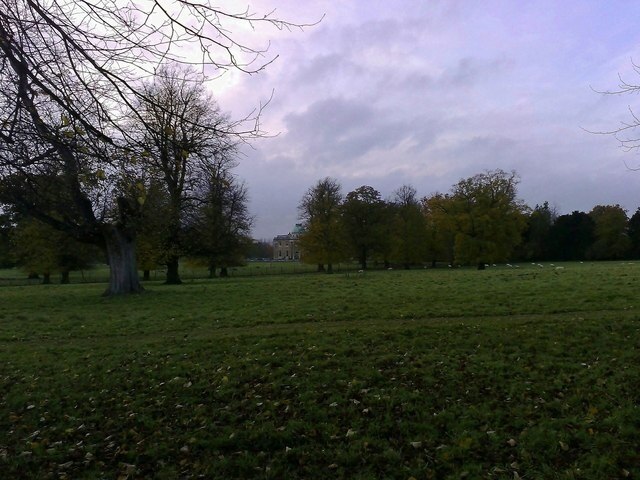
{"type": "Point", "coordinates": [285, 247]}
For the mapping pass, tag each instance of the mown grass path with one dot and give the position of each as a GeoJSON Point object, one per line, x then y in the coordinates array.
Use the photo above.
{"type": "Point", "coordinates": [530, 372]}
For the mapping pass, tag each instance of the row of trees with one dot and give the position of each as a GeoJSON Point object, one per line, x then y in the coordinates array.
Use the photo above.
{"type": "Point", "coordinates": [604, 233]}
{"type": "Point", "coordinates": [480, 221]}
{"type": "Point", "coordinates": [101, 127]}
{"type": "Point", "coordinates": [214, 239]}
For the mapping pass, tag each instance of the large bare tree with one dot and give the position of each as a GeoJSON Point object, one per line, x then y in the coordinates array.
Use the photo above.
{"type": "Point", "coordinates": [183, 134]}
{"type": "Point", "coordinates": [71, 73]}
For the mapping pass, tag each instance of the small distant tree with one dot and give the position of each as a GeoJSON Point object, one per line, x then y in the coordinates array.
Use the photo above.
{"type": "Point", "coordinates": [611, 238]}
{"type": "Point", "coordinates": [363, 220]}
{"type": "Point", "coordinates": [385, 246]}
{"type": "Point", "coordinates": [571, 236]}
{"type": "Point", "coordinates": [409, 228]}
{"type": "Point", "coordinates": [438, 210]}
{"type": "Point", "coordinates": [489, 217]}
{"type": "Point", "coordinates": [219, 232]}
{"type": "Point", "coordinates": [262, 248]}
{"type": "Point", "coordinates": [535, 241]}
{"type": "Point", "coordinates": [323, 240]}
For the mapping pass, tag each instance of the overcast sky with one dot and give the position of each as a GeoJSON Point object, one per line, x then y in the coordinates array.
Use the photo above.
{"type": "Point", "coordinates": [386, 93]}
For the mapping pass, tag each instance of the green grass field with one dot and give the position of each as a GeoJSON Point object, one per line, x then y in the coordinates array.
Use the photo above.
{"type": "Point", "coordinates": [447, 373]}
{"type": "Point", "coordinates": [189, 271]}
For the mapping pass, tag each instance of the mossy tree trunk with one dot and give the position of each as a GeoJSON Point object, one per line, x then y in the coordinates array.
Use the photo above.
{"type": "Point", "coordinates": [173, 275]}
{"type": "Point", "coordinates": [121, 255]}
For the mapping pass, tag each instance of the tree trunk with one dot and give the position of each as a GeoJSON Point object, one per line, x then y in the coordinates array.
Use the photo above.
{"type": "Point", "coordinates": [64, 278]}
{"type": "Point", "coordinates": [173, 276]}
{"type": "Point", "coordinates": [46, 278]}
{"type": "Point", "coordinates": [320, 267]}
{"type": "Point", "coordinates": [363, 259]}
{"type": "Point", "coordinates": [146, 275]}
{"type": "Point", "coordinates": [224, 272]}
{"type": "Point", "coordinates": [481, 266]}
{"type": "Point", "coordinates": [212, 271]}
{"type": "Point", "coordinates": [330, 268]}
{"type": "Point", "coordinates": [121, 254]}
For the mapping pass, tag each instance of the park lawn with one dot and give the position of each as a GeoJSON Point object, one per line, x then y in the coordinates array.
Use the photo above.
{"type": "Point", "coordinates": [448, 373]}
{"type": "Point", "coordinates": [189, 270]}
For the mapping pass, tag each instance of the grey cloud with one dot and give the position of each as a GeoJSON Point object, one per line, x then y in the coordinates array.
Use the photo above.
{"type": "Point", "coordinates": [354, 37]}
{"type": "Point", "coordinates": [330, 119]}
{"type": "Point", "coordinates": [469, 70]}
{"type": "Point", "coordinates": [413, 81]}
{"type": "Point", "coordinates": [338, 129]}
{"type": "Point", "coordinates": [486, 147]}
{"type": "Point", "coordinates": [323, 66]}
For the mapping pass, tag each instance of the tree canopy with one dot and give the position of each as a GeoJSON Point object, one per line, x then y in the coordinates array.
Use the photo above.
{"type": "Point", "coordinates": [323, 240]}
{"type": "Point", "coordinates": [611, 239]}
{"type": "Point", "coordinates": [488, 215]}
{"type": "Point", "coordinates": [363, 219]}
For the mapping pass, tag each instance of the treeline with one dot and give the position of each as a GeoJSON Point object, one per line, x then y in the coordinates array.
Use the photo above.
{"type": "Point", "coordinates": [49, 255]}
{"type": "Point", "coordinates": [215, 237]}
{"type": "Point", "coordinates": [479, 221]}
{"type": "Point", "coordinates": [170, 193]}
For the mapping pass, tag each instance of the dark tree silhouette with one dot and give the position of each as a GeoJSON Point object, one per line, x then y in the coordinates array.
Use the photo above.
{"type": "Point", "coordinates": [219, 230]}
{"type": "Point", "coordinates": [363, 219]}
{"type": "Point", "coordinates": [409, 228]}
{"type": "Point", "coordinates": [535, 239]}
{"type": "Point", "coordinates": [571, 236]}
{"type": "Point", "coordinates": [634, 234]}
